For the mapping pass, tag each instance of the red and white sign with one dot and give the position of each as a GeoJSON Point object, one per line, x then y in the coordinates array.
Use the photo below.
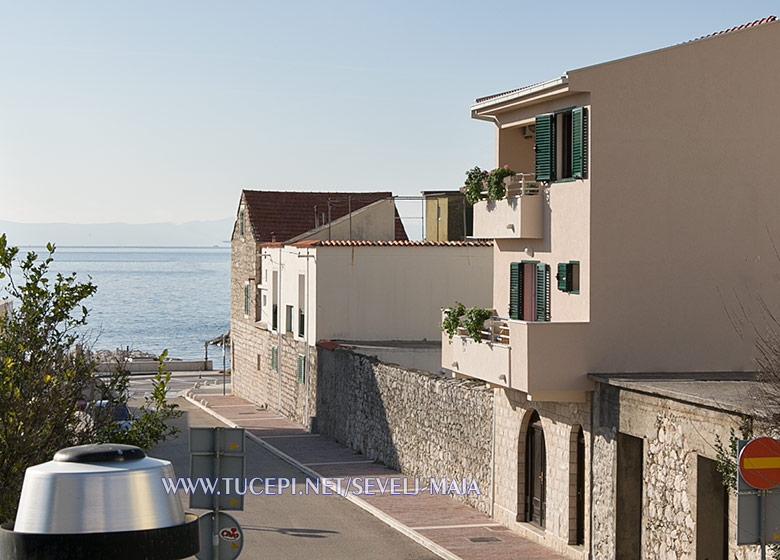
{"type": "Point", "coordinates": [230, 534]}
{"type": "Point", "coordinates": [759, 463]}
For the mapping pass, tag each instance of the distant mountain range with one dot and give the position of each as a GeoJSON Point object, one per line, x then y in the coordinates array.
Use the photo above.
{"type": "Point", "coordinates": [188, 234]}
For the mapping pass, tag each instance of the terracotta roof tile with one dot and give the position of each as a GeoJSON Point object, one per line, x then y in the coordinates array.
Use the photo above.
{"type": "Point", "coordinates": [400, 243]}
{"type": "Point", "coordinates": [282, 215]}
{"type": "Point", "coordinates": [767, 19]}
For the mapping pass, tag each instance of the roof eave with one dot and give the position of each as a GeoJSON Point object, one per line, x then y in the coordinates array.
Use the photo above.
{"type": "Point", "coordinates": [482, 109]}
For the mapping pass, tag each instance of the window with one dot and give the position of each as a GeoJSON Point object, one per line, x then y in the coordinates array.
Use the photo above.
{"type": "Point", "coordinates": [246, 299]}
{"type": "Point", "coordinates": [561, 145]}
{"type": "Point", "coordinates": [259, 304]}
{"type": "Point", "coordinates": [301, 305]}
{"type": "Point", "coordinates": [529, 291]}
{"type": "Point", "coordinates": [289, 319]}
{"type": "Point", "coordinates": [569, 277]}
{"type": "Point", "coordinates": [274, 358]}
{"type": "Point", "coordinates": [275, 300]}
{"type": "Point", "coordinates": [301, 368]}
{"type": "Point", "coordinates": [241, 222]}
{"type": "Point", "coordinates": [259, 362]}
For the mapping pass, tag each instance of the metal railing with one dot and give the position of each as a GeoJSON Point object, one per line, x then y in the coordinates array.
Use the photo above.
{"type": "Point", "coordinates": [521, 187]}
{"type": "Point", "coordinates": [516, 185]}
{"type": "Point", "coordinates": [495, 329]}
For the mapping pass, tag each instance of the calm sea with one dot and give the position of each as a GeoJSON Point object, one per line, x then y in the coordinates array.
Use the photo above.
{"type": "Point", "coordinates": [152, 298]}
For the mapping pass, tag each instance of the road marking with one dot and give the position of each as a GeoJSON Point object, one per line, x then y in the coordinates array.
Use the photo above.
{"type": "Point", "coordinates": [258, 419]}
{"type": "Point", "coordinates": [338, 463]}
{"type": "Point", "coordinates": [290, 435]}
{"type": "Point", "coordinates": [457, 526]}
{"type": "Point", "coordinates": [373, 510]}
{"type": "Point", "coordinates": [231, 405]}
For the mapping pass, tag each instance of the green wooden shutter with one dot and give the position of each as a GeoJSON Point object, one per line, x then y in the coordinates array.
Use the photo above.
{"type": "Point", "coordinates": [579, 142]}
{"type": "Point", "coordinates": [563, 277]}
{"type": "Point", "coordinates": [516, 291]}
{"type": "Point", "coordinates": [542, 292]}
{"type": "Point", "coordinates": [246, 299]}
{"type": "Point", "coordinates": [274, 358]}
{"type": "Point", "coordinates": [545, 147]}
{"type": "Point", "coordinates": [301, 368]}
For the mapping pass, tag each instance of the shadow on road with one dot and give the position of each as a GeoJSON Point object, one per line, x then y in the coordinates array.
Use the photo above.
{"type": "Point", "coordinates": [294, 532]}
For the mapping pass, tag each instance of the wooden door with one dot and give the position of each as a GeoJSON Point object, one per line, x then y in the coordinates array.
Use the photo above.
{"type": "Point", "coordinates": [536, 469]}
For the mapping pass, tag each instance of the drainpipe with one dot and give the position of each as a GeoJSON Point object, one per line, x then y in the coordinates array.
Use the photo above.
{"type": "Point", "coordinates": [493, 460]}
{"type": "Point", "coordinates": [592, 447]}
{"type": "Point", "coordinates": [279, 335]}
{"type": "Point", "coordinates": [307, 318]}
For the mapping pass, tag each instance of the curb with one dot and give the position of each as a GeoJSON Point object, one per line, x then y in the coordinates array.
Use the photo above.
{"type": "Point", "coordinates": [376, 512]}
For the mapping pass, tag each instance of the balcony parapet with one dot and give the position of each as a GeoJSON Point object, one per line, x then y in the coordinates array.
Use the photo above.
{"type": "Point", "coordinates": [520, 215]}
{"type": "Point", "coordinates": [547, 360]}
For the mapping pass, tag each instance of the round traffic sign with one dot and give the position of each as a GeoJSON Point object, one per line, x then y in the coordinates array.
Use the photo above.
{"type": "Point", "coordinates": [230, 536]}
{"type": "Point", "coordinates": [759, 463]}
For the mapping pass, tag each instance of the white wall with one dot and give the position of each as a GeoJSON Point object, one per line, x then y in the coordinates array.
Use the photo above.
{"type": "Point", "coordinates": [397, 292]}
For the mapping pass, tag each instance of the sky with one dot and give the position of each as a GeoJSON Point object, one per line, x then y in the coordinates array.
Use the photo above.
{"type": "Point", "coordinates": [154, 111]}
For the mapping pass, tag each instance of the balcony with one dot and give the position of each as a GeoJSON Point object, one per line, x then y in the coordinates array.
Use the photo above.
{"type": "Point", "coordinates": [549, 361]}
{"type": "Point", "coordinates": [491, 357]}
{"type": "Point", "coordinates": [520, 215]}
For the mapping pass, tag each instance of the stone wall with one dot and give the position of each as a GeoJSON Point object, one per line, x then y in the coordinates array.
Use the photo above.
{"type": "Point", "coordinates": [560, 422]}
{"type": "Point", "coordinates": [418, 423]}
{"type": "Point", "coordinates": [255, 380]}
{"type": "Point", "coordinates": [674, 434]}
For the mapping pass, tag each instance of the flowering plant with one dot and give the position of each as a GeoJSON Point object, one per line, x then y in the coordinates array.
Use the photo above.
{"type": "Point", "coordinates": [492, 182]}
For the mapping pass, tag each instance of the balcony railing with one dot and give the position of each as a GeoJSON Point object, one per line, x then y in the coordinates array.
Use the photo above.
{"type": "Point", "coordinates": [495, 330]}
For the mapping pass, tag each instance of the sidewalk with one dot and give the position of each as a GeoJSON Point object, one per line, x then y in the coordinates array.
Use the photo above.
{"type": "Point", "coordinates": [446, 527]}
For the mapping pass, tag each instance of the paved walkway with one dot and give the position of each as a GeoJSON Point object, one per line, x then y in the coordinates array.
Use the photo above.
{"type": "Point", "coordinates": [450, 529]}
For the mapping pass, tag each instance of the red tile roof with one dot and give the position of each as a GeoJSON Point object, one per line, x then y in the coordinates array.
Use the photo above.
{"type": "Point", "coordinates": [282, 215]}
{"type": "Point", "coordinates": [767, 19]}
{"type": "Point", "coordinates": [403, 243]}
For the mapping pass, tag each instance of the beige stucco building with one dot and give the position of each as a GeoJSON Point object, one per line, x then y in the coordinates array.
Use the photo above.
{"type": "Point", "coordinates": [379, 292]}
{"type": "Point", "coordinates": [647, 201]}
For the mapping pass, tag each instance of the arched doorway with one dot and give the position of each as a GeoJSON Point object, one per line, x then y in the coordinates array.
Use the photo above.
{"type": "Point", "coordinates": [535, 468]}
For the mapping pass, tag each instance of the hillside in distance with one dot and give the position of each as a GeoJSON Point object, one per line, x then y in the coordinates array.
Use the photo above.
{"type": "Point", "coordinates": [166, 234]}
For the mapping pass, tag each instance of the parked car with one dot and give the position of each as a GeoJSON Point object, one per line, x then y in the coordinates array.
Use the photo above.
{"type": "Point", "coordinates": [91, 412]}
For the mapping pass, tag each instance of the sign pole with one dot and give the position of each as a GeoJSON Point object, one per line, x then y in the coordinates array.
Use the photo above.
{"type": "Point", "coordinates": [762, 521]}
{"type": "Point", "coordinates": [215, 525]}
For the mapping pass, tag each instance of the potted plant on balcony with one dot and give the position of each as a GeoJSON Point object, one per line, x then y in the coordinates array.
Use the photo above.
{"type": "Point", "coordinates": [474, 321]}
{"type": "Point", "coordinates": [451, 320]}
{"type": "Point", "coordinates": [480, 181]}
{"type": "Point", "coordinates": [471, 320]}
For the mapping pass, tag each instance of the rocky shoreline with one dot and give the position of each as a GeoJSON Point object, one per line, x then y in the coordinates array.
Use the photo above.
{"type": "Point", "coordinates": [120, 354]}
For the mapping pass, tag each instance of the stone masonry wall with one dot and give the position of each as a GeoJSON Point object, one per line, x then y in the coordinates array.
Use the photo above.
{"type": "Point", "coordinates": [560, 423]}
{"type": "Point", "coordinates": [255, 380]}
{"type": "Point", "coordinates": [673, 435]}
{"type": "Point", "coordinates": [418, 423]}
{"type": "Point", "coordinates": [252, 375]}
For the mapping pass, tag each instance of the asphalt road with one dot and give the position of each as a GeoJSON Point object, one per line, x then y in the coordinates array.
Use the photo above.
{"type": "Point", "coordinates": [295, 527]}
{"type": "Point", "coordinates": [180, 381]}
